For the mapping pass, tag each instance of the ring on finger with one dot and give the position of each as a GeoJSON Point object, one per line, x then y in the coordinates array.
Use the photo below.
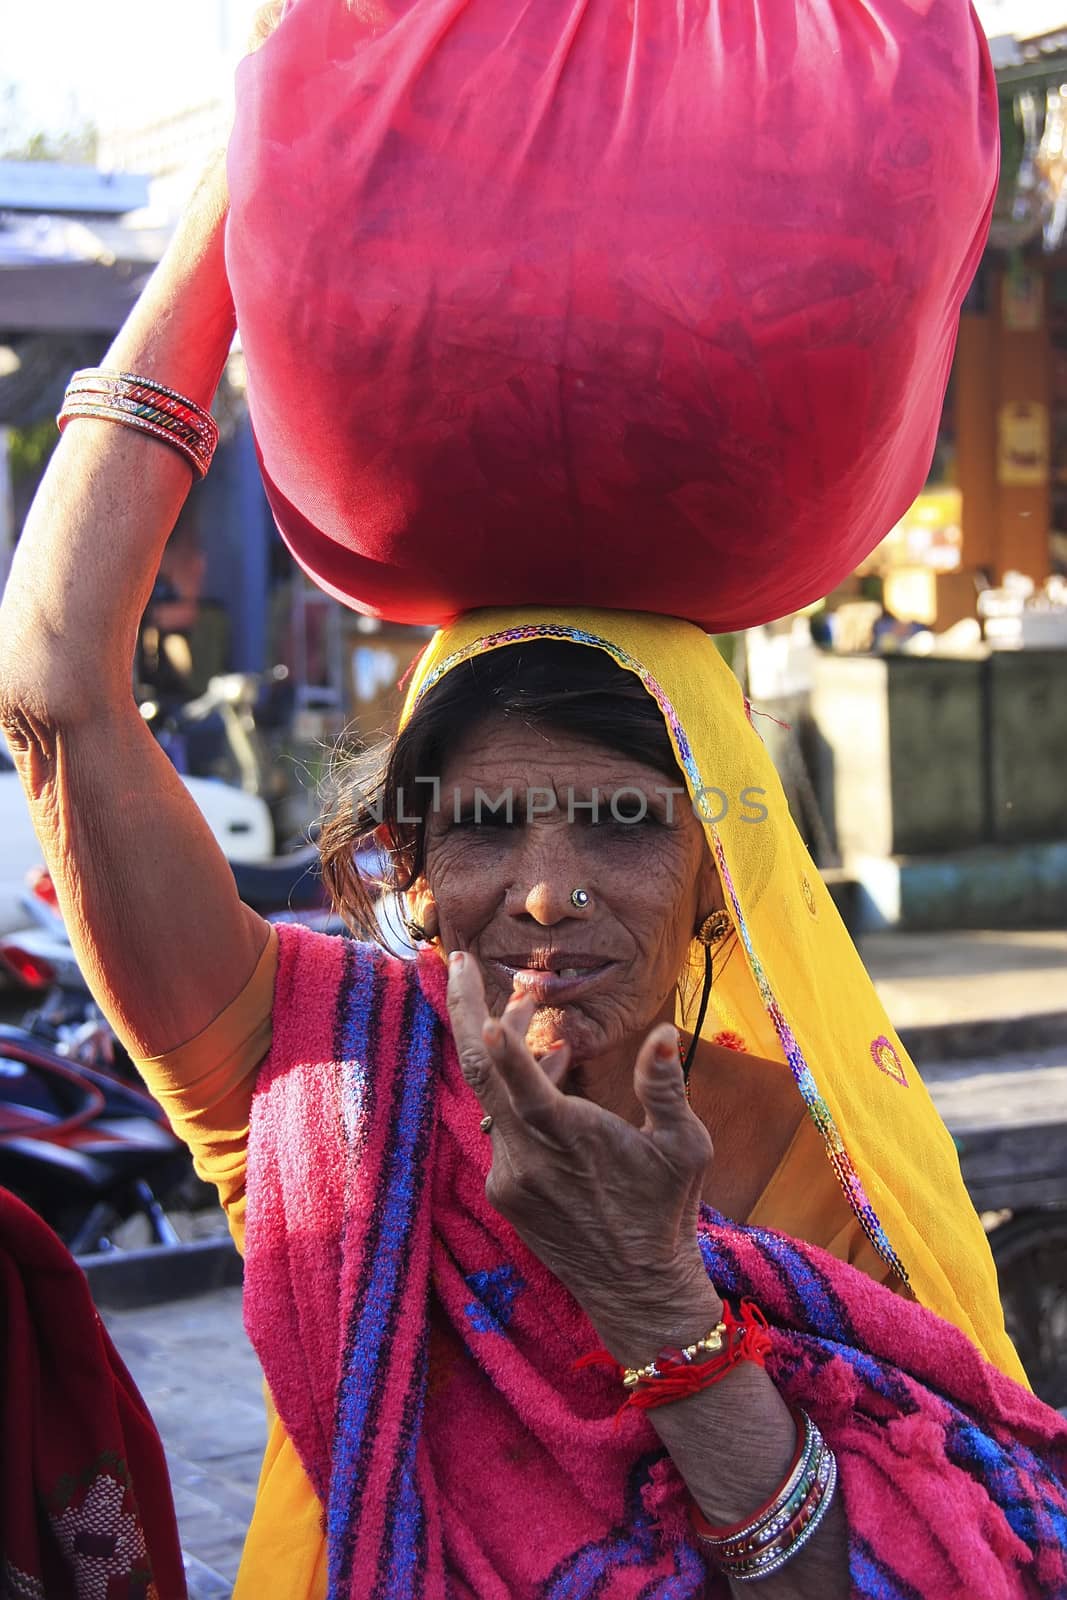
{"type": "Point", "coordinates": [485, 1124]}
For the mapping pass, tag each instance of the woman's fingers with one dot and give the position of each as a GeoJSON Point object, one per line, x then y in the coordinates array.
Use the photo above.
{"type": "Point", "coordinates": [519, 1013]}
{"type": "Point", "coordinates": [555, 1062]}
{"type": "Point", "coordinates": [494, 1056]}
{"type": "Point", "coordinates": [533, 1093]}
{"type": "Point", "coordinates": [659, 1084]}
{"type": "Point", "coordinates": [470, 1019]}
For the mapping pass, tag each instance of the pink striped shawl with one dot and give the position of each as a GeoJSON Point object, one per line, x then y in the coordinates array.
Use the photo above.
{"type": "Point", "coordinates": [421, 1358]}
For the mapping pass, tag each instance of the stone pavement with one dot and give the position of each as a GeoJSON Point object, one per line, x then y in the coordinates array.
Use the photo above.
{"type": "Point", "coordinates": [201, 1381]}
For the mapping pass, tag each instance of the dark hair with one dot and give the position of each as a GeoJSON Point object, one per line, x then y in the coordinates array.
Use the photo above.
{"type": "Point", "coordinates": [552, 684]}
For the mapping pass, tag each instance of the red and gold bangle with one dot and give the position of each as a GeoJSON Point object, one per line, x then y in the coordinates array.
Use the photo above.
{"type": "Point", "coordinates": [147, 406]}
{"type": "Point", "coordinates": [769, 1538]}
{"type": "Point", "coordinates": [777, 1551]}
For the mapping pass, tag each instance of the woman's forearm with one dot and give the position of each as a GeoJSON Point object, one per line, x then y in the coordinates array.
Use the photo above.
{"type": "Point", "coordinates": [89, 552]}
{"type": "Point", "coordinates": [732, 1444]}
{"type": "Point", "coordinates": [149, 902]}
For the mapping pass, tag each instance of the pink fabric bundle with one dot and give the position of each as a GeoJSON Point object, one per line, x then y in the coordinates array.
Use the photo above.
{"type": "Point", "coordinates": [649, 307]}
{"type": "Point", "coordinates": [422, 1359]}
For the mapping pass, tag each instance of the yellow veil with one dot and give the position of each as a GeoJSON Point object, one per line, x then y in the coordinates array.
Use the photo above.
{"type": "Point", "coordinates": [802, 995]}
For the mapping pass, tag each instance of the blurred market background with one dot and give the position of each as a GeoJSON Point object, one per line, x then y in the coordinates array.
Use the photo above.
{"type": "Point", "coordinates": [918, 715]}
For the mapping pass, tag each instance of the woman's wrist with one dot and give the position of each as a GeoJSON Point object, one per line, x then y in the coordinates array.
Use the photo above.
{"type": "Point", "coordinates": [742, 1416]}
{"type": "Point", "coordinates": [743, 1420]}
{"type": "Point", "coordinates": [635, 1322]}
{"type": "Point", "coordinates": [94, 535]}
{"type": "Point", "coordinates": [180, 331]}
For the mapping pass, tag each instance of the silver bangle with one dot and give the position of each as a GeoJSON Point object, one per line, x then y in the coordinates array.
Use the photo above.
{"type": "Point", "coordinates": [770, 1522]}
{"type": "Point", "coordinates": [775, 1563]}
{"type": "Point", "coordinates": [762, 1545]}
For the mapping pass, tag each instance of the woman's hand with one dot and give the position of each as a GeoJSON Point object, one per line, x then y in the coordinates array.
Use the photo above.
{"type": "Point", "coordinates": [610, 1209]}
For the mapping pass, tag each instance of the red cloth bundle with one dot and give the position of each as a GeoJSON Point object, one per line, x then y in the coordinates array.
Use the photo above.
{"type": "Point", "coordinates": [644, 306]}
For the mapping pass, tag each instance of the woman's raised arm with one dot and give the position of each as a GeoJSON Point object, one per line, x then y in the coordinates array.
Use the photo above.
{"type": "Point", "coordinates": [148, 898]}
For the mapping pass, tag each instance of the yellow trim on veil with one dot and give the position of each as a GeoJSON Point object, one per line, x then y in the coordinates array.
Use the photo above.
{"type": "Point", "coordinates": [801, 995]}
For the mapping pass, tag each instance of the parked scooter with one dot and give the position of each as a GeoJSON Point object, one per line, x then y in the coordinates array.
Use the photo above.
{"type": "Point", "coordinates": [230, 734]}
{"type": "Point", "coordinates": [65, 1018]}
{"type": "Point", "coordinates": [86, 1152]}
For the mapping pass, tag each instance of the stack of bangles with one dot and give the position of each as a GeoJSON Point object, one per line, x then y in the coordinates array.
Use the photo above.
{"type": "Point", "coordinates": [769, 1538]}
{"type": "Point", "coordinates": [782, 1526]}
{"type": "Point", "coordinates": [143, 404]}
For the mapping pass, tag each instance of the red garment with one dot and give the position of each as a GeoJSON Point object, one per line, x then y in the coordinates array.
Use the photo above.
{"type": "Point", "coordinates": [85, 1503]}
{"type": "Point", "coordinates": [647, 306]}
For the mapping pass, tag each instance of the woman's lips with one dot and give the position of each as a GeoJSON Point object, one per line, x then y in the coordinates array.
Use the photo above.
{"type": "Point", "coordinates": [565, 982]}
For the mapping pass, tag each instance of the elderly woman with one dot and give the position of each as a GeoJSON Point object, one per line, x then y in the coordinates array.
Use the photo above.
{"type": "Point", "coordinates": [554, 1297]}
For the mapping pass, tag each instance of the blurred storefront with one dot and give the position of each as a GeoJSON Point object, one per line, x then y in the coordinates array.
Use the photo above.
{"type": "Point", "coordinates": [995, 502]}
{"type": "Point", "coordinates": [996, 499]}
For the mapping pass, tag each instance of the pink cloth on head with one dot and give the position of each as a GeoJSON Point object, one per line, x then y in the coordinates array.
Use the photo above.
{"type": "Point", "coordinates": [648, 307]}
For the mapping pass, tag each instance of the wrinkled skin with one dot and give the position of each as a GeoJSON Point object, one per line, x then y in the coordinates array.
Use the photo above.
{"type": "Point", "coordinates": [602, 1184]}
{"type": "Point", "coordinates": [496, 890]}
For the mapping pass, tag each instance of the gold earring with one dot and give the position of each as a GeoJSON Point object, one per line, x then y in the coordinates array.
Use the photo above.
{"type": "Point", "coordinates": [715, 926]}
{"type": "Point", "coordinates": [424, 931]}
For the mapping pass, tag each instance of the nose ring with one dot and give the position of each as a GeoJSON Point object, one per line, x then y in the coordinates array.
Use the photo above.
{"type": "Point", "coordinates": [579, 899]}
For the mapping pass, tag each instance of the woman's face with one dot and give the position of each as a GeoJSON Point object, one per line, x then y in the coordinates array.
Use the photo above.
{"type": "Point", "coordinates": [502, 889]}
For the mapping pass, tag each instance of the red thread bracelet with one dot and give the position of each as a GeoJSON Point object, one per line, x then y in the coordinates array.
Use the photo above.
{"type": "Point", "coordinates": [676, 1377]}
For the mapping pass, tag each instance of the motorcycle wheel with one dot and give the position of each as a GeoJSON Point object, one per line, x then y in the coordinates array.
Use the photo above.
{"type": "Point", "coordinates": [1030, 1252]}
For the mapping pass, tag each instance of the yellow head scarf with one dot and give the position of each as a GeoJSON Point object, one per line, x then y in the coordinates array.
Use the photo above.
{"type": "Point", "coordinates": [802, 995]}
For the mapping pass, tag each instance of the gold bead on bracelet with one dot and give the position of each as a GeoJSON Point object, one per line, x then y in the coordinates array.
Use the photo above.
{"type": "Point", "coordinates": [710, 1345]}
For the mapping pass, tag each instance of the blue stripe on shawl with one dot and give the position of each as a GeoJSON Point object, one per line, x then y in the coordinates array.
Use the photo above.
{"type": "Point", "coordinates": [686, 1581]}
{"type": "Point", "coordinates": [587, 1573]}
{"type": "Point", "coordinates": [409, 1523]}
{"type": "Point", "coordinates": [726, 1270]}
{"type": "Point", "coordinates": [807, 1283]}
{"type": "Point", "coordinates": [367, 1350]}
{"type": "Point", "coordinates": [803, 1285]}
{"type": "Point", "coordinates": [358, 1003]}
{"type": "Point", "coordinates": [816, 1304]}
{"type": "Point", "coordinates": [351, 1037]}
{"type": "Point", "coordinates": [407, 1528]}
{"type": "Point", "coordinates": [1036, 1524]}
{"type": "Point", "coordinates": [871, 1578]}
{"type": "Point", "coordinates": [584, 1574]}
{"type": "Point", "coordinates": [883, 1379]}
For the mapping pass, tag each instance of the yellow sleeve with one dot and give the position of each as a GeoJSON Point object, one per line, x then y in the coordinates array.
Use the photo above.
{"type": "Point", "coordinates": [205, 1086]}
